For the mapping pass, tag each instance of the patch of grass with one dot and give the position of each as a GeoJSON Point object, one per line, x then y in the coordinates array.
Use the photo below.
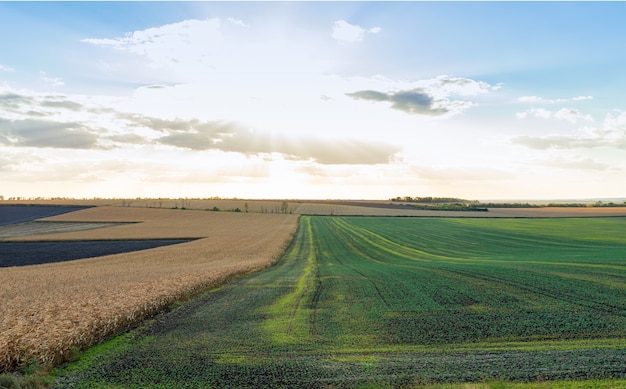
{"type": "Point", "coordinates": [287, 319]}
{"type": "Point", "coordinates": [31, 376]}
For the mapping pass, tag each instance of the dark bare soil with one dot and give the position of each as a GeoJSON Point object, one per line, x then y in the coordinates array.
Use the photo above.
{"type": "Point", "coordinates": [13, 214]}
{"type": "Point", "coordinates": [19, 221]}
{"type": "Point", "coordinates": [35, 253]}
{"type": "Point", "coordinates": [11, 231]}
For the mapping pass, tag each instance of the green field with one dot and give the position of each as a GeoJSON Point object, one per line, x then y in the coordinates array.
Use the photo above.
{"type": "Point", "coordinates": [395, 302]}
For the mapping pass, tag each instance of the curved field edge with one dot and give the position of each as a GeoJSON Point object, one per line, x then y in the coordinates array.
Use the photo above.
{"type": "Point", "coordinates": [49, 311]}
{"type": "Point", "coordinates": [37, 253]}
{"type": "Point", "coordinates": [371, 302]}
{"type": "Point", "coordinates": [23, 213]}
{"type": "Point", "coordinates": [47, 227]}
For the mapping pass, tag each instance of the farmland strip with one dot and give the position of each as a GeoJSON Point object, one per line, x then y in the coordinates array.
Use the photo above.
{"type": "Point", "coordinates": [394, 301]}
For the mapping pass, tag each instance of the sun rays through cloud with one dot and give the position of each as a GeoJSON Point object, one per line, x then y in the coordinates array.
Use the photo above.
{"type": "Point", "coordinates": [324, 100]}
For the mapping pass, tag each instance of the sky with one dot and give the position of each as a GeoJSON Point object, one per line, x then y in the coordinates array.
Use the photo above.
{"type": "Point", "coordinates": [313, 100]}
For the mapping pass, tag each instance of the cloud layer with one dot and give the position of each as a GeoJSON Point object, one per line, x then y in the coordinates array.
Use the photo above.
{"type": "Point", "coordinates": [188, 40]}
{"type": "Point", "coordinates": [36, 123]}
{"type": "Point", "coordinates": [41, 133]}
{"type": "Point", "coordinates": [568, 114]}
{"type": "Point", "coordinates": [611, 134]}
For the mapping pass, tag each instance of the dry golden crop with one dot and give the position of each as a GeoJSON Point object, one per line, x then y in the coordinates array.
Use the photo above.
{"type": "Point", "coordinates": [48, 310]}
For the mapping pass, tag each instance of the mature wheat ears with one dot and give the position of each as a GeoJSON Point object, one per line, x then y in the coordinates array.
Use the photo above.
{"type": "Point", "coordinates": [48, 311]}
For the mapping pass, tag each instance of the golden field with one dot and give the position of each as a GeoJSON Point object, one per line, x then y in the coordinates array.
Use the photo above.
{"type": "Point", "coordinates": [49, 310]}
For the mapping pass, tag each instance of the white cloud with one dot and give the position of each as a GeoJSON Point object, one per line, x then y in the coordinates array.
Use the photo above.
{"type": "Point", "coordinates": [580, 163]}
{"type": "Point", "coordinates": [238, 22]}
{"type": "Point", "coordinates": [345, 32]}
{"type": "Point", "coordinates": [216, 56]}
{"type": "Point", "coordinates": [444, 85]}
{"type": "Point", "coordinates": [611, 134]}
{"type": "Point", "coordinates": [541, 113]}
{"type": "Point", "coordinates": [6, 68]}
{"type": "Point", "coordinates": [54, 81]}
{"type": "Point", "coordinates": [541, 100]}
{"type": "Point", "coordinates": [614, 128]}
{"type": "Point", "coordinates": [186, 41]}
{"type": "Point", "coordinates": [568, 114]}
{"type": "Point", "coordinates": [572, 115]}
{"type": "Point", "coordinates": [617, 121]}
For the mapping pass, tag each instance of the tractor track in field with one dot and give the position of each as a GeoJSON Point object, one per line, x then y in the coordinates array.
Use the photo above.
{"type": "Point", "coordinates": [366, 278]}
{"type": "Point", "coordinates": [363, 276]}
{"type": "Point", "coordinates": [314, 303]}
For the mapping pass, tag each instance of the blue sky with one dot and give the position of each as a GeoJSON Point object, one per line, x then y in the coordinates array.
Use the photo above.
{"type": "Point", "coordinates": [481, 100]}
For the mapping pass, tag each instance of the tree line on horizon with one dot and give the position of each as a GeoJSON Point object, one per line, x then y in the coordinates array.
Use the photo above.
{"type": "Point", "coordinates": [454, 203]}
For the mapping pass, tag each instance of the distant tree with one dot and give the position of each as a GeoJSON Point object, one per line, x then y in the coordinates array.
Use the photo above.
{"type": "Point", "coordinates": [284, 207]}
{"type": "Point", "coordinates": [246, 207]}
{"type": "Point", "coordinates": [185, 204]}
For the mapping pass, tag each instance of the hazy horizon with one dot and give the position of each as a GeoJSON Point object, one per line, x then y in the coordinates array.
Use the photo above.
{"type": "Point", "coordinates": [313, 100]}
{"type": "Point", "coordinates": [616, 200]}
